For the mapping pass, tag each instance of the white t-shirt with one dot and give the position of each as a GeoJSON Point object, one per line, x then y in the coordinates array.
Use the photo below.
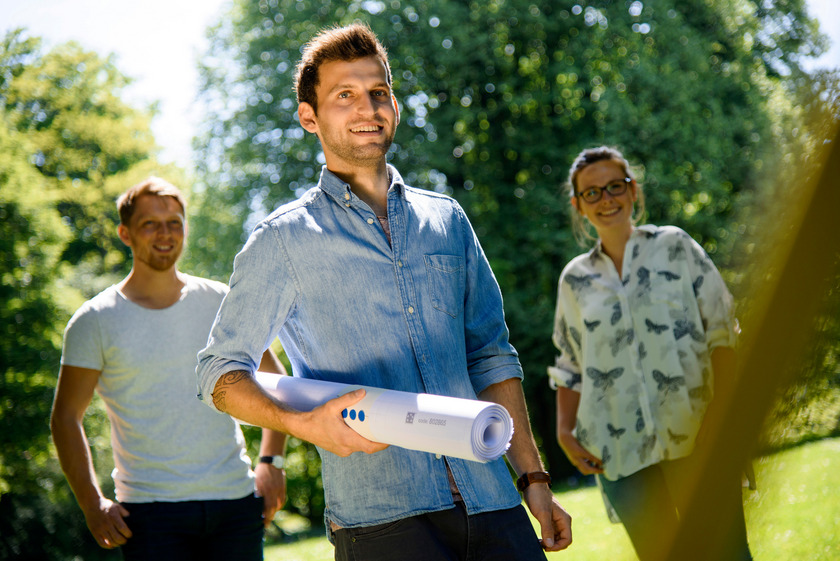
{"type": "Point", "coordinates": [167, 445]}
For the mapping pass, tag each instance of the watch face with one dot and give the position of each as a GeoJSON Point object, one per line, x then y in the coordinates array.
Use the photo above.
{"type": "Point", "coordinates": [276, 461]}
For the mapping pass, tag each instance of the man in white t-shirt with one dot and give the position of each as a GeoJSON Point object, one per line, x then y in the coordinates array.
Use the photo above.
{"type": "Point", "coordinates": [184, 484]}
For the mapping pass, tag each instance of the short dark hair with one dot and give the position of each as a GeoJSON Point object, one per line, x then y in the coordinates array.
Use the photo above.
{"type": "Point", "coordinates": [154, 186]}
{"type": "Point", "coordinates": [335, 44]}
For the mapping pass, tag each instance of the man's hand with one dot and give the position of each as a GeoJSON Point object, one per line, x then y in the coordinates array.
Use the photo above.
{"type": "Point", "coordinates": [106, 522]}
{"type": "Point", "coordinates": [579, 456]}
{"type": "Point", "coordinates": [239, 395]}
{"type": "Point", "coordinates": [271, 486]}
{"type": "Point", "coordinates": [555, 522]}
{"type": "Point", "coordinates": [324, 426]}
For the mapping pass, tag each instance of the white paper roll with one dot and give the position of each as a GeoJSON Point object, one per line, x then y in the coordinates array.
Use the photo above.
{"type": "Point", "coordinates": [450, 426]}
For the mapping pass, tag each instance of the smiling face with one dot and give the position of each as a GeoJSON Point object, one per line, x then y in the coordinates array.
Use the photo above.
{"type": "Point", "coordinates": [610, 213]}
{"type": "Point", "coordinates": [357, 114]}
{"type": "Point", "coordinates": [155, 232]}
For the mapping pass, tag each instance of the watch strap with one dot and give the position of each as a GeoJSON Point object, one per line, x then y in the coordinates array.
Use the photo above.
{"type": "Point", "coordinates": [532, 477]}
{"type": "Point", "coordinates": [277, 460]}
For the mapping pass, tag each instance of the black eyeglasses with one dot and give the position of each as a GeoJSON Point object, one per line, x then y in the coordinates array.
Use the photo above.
{"type": "Point", "coordinates": [614, 188]}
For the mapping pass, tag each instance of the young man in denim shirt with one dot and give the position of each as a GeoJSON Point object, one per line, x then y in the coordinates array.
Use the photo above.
{"type": "Point", "coordinates": [369, 281]}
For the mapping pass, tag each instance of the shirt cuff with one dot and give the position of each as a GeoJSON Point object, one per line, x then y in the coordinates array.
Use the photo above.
{"type": "Point", "coordinates": [562, 378]}
{"type": "Point", "coordinates": [723, 337]}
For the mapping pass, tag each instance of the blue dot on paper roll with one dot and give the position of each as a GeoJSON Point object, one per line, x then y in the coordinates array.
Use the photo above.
{"type": "Point", "coordinates": [361, 415]}
{"type": "Point", "coordinates": [353, 414]}
{"type": "Point", "coordinates": [344, 413]}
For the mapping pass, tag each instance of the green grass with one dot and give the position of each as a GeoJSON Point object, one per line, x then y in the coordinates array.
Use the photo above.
{"type": "Point", "coordinates": [593, 535]}
{"type": "Point", "coordinates": [794, 514]}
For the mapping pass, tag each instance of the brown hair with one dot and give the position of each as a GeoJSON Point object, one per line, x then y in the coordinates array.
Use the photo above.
{"type": "Point", "coordinates": [154, 186]}
{"type": "Point", "coordinates": [335, 44]}
{"type": "Point", "coordinates": [586, 158]}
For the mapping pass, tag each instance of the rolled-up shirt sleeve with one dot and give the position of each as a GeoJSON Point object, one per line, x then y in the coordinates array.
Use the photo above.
{"type": "Point", "coordinates": [262, 291]}
{"type": "Point", "coordinates": [565, 372]}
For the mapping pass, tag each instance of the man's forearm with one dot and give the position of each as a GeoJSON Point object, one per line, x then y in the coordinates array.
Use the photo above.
{"type": "Point", "coordinates": [272, 443]}
{"type": "Point", "coordinates": [76, 462]}
{"type": "Point", "coordinates": [523, 454]}
{"type": "Point", "coordinates": [567, 407]}
{"type": "Point", "coordinates": [239, 395]}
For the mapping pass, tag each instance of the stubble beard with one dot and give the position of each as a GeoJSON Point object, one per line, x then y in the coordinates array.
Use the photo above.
{"type": "Point", "coordinates": [158, 262]}
{"type": "Point", "coordinates": [364, 155]}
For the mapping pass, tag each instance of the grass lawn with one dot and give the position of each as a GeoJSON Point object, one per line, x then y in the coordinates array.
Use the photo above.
{"type": "Point", "coordinates": [794, 514]}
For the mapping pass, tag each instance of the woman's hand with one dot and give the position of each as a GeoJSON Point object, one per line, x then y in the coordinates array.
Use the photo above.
{"type": "Point", "coordinates": [567, 406]}
{"type": "Point", "coordinates": [580, 457]}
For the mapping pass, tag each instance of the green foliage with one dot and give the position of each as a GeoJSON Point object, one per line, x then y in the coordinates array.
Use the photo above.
{"type": "Point", "coordinates": [46, 526]}
{"type": "Point", "coordinates": [304, 487]}
{"type": "Point", "coordinates": [809, 409]}
{"type": "Point", "coordinates": [68, 146]}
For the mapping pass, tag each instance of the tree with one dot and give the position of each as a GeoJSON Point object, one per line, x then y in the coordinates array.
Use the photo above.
{"type": "Point", "coordinates": [68, 146]}
{"type": "Point", "coordinates": [810, 407]}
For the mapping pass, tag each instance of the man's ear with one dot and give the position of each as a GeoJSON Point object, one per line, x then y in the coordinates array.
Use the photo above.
{"type": "Point", "coordinates": [122, 232]}
{"type": "Point", "coordinates": [307, 117]}
{"type": "Point", "coordinates": [396, 108]}
{"type": "Point", "coordinates": [575, 204]}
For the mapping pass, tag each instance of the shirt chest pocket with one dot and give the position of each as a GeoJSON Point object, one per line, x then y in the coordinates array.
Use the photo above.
{"type": "Point", "coordinates": [445, 274]}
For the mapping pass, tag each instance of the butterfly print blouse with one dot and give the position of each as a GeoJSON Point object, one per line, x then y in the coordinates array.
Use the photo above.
{"type": "Point", "coordinates": [637, 347]}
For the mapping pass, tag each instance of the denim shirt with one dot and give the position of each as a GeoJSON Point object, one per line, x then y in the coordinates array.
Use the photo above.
{"type": "Point", "coordinates": [423, 314]}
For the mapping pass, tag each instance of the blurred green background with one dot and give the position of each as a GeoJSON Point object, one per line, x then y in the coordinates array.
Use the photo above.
{"type": "Point", "coordinates": [710, 99]}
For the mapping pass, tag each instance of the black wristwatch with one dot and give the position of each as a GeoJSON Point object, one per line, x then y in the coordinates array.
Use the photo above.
{"type": "Point", "coordinates": [277, 461]}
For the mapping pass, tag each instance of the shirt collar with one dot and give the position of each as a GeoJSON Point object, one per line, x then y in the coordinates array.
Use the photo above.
{"type": "Point", "coordinates": [336, 188]}
{"type": "Point", "coordinates": [647, 229]}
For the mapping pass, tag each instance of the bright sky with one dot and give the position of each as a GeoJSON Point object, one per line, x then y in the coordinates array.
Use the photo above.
{"type": "Point", "coordinates": [158, 42]}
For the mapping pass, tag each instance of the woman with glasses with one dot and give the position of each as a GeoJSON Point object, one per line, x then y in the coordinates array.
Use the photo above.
{"type": "Point", "coordinates": [645, 329]}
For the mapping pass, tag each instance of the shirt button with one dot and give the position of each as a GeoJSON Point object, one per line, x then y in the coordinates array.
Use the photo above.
{"type": "Point", "coordinates": [399, 264]}
{"type": "Point", "coordinates": [370, 220]}
{"type": "Point", "coordinates": [346, 196]}
{"type": "Point", "coordinates": [437, 456]}
{"type": "Point", "coordinates": [410, 309]}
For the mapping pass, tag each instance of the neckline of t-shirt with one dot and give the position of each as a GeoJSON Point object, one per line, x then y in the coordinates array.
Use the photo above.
{"type": "Point", "coordinates": [188, 284]}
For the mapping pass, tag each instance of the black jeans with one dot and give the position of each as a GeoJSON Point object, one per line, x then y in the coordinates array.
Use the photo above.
{"type": "Point", "coordinates": [446, 535]}
{"type": "Point", "coordinates": [195, 530]}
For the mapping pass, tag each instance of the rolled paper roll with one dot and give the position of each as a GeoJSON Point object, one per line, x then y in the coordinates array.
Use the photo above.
{"type": "Point", "coordinates": [450, 426]}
